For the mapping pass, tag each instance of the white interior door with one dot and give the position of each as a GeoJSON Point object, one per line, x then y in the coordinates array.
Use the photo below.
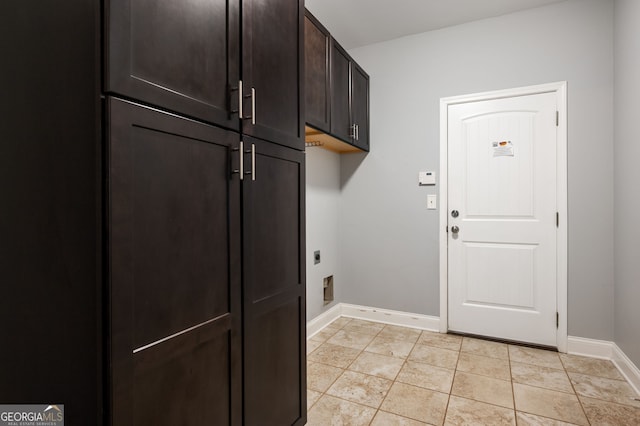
{"type": "Point", "coordinates": [502, 250]}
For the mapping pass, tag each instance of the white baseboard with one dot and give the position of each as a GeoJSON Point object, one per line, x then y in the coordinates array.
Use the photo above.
{"type": "Point", "coordinates": [590, 347]}
{"type": "Point", "coordinates": [607, 350]}
{"type": "Point", "coordinates": [386, 316]}
{"type": "Point", "coordinates": [627, 368]}
{"type": "Point", "coordinates": [323, 320]}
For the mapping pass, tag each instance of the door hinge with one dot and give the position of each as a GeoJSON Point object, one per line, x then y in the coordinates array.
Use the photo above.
{"type": "Point", "coordinates": [557, 220]}
{"type": "Point", "coordinates": [557, 320]}
{"type": "Point", "coordinates": [557, 118]}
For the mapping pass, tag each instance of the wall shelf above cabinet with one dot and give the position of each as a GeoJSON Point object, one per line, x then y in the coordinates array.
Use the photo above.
{"type": "Point", "coordinates": [317, 138]}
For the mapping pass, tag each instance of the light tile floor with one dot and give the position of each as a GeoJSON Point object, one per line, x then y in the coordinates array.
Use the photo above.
{"type": "Point", "coordinates": [365, 373]}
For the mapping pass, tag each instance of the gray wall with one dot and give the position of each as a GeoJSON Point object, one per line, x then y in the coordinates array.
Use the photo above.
{"type": "Point", "coordinates": [323, 195]}
{"type": "Point", "coordinates": [388, 240]}
{"type": "Point", "coordinates": [627, 177]}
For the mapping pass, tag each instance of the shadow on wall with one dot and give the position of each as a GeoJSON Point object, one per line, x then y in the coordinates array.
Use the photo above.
{"type": "Point", "coordinates": [349, 163]}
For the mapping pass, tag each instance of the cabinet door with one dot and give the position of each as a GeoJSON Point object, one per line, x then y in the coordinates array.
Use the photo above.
{"type": "Point", "coordinates": [317, 42]}
{"type": "Point", "coordinates": [272, 52]}
{"type": "Point", "coordinates": [174, 268]}
{"type": "Point", "coordinates": [360, 105]}
{"type": "Point", "coordinates": [274, 286]}
{"type": "Point", "coordinates": [340, 93]}
{"type": "Point", "coordinates": [177, 55]}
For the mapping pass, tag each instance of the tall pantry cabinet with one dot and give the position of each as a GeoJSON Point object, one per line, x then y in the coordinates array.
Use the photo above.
{"type": "Point", "coordinates": [153, 211]}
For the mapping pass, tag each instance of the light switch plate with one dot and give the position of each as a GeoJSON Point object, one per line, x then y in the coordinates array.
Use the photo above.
{"type": "Point", "coordinates": [431, 202]}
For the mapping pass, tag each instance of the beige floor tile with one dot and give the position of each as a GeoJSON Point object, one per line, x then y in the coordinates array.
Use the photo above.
{"type": "Point", "coordinates": [526, 419]}
{"type": "Point", "coordinates": [335, 355]}
{"type": "Point", "coordinates": [440, 340]}
{"type": "Point", "coordinates": [312, 345]}
{"type": "Point", "coordinates": [330, 411]}
{"type": "Point", "coordinates": [416, 403]}
{"type": "Point", "coordinates": [383, 366]}
{"type": "Point", "coordinates": [363, 327]}
{"type": "Point", "coordinates": [340, 322]}
{"type": "Point", "coordinates": [484, 366]}
{"type": "Point", "coordinates": [542, 377]}
{"type": "Point", "coordinates": [535, 356]}
{"type": "Point", "coordinates": [387, 419]}
{"type": "Point", "coordinates": [312, 397]}
{"type": "Point", "coordinates": [483, 389]}
{"type": "Point", "coordinates": [321, 376]}
{"type": "Point", "coordinates": [360, 388]}
{"type": "Point", "coordinates": [324, 334]}
{"type": "Point", "coordinates": [365, 323]}
{"type": "Point", "coordinates": [384, 346]}
{"type": "Point", "coordinates": [484, 348]}
{"type": "Point", "coordinates": [549, 403]}
{"type": "Point", "coordinates": [462, 412]}
{"type": "Point", "coordinates": [590, 366]}
{"type": "Point", "coordinates": [351, 339]}
{"type": "Point", "coordinates": [404, 334]}
{"type": "Point", "coordinates": [604, 413]}
{"type": "Point", "coordinates": [426, 376]}
{"type": "Point", "coordinates": [434, 356]}
{"type": "Point", "coordinates": [610, 390]}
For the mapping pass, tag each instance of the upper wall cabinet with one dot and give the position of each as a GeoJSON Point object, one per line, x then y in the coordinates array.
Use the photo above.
{"type": "Point", "coordinates": [181, 56]}
{"type": "Point", "coordinates": [359, 107]}
{"type": "Point", "coordinates": [317, 41]}
{"type": "Point", "coordinates": [349, 99]}
{"type": "Point", "coordinates": [185, 57]}
{"type": "Point", "coordinates": [340, 92]}
{"type": "Point", "coordinates": [337, 93]}
{"type": "Point", "coordinates": [273, 49]}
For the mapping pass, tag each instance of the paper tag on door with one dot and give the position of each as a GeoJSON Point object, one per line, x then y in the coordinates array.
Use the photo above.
{"type": "Point", "coordinates": [502, 149]}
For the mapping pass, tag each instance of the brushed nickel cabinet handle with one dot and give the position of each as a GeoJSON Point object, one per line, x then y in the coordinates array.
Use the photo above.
{"type": "Point", "coordinates": [253, 106]}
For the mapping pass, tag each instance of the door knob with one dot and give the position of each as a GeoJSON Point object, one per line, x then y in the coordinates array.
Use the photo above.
{"type": "Point", "coordinates": [455, 229]}
{"type": "Point", "coordinates": [454, 213]}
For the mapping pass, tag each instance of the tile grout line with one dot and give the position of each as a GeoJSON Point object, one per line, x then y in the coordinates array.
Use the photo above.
{"type": "Point", "coordinates": [455, 371]}
{"type": "Point", "coordinates": [513, 389]}
{"type": "Point", "coordinates": [575, 391]}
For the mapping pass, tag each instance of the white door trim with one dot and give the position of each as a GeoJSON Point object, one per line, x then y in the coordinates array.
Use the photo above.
{"type": "Point", "coordinates": [560, 88]}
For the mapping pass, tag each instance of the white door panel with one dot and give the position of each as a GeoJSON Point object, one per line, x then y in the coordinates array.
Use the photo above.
{"type": "Point", "coordinates": [502, 181]}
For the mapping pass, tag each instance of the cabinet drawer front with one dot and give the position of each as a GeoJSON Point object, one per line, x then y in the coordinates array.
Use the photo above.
{"type": "Point", "coordinates": [181, 56]}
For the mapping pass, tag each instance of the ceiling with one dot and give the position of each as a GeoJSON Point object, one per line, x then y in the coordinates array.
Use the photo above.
{"type": "Point", "coordinates": [356, 23]}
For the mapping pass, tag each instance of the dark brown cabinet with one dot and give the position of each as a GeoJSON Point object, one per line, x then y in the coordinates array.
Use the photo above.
{"type": "Point", "coordinates": [180, 56]}
{"type": "Point", "coordinates": [174, 233]}
{"type": "Point", "coordinates": [185, 57]}
{"type": "Point", "coordinates": [272, 76]}
{"type": "Point", "coordinates": [359, 107]}
{"type": "Point", "coordinates": [349, 99]}
{"type": "Point", "coordinates": [337, 93]}
{"type": "Point", "coordinates": [274, 285]}
{"type": "Point", "coordinates": [153, 240]}
{"type": "Point", "coordinates": [341, 124]}
{"type": "Point", "coordinates": [317, 41]}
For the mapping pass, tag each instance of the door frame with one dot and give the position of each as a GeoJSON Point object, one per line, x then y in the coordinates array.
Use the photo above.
{"type": "Point", "coordinates": [560, 89]}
